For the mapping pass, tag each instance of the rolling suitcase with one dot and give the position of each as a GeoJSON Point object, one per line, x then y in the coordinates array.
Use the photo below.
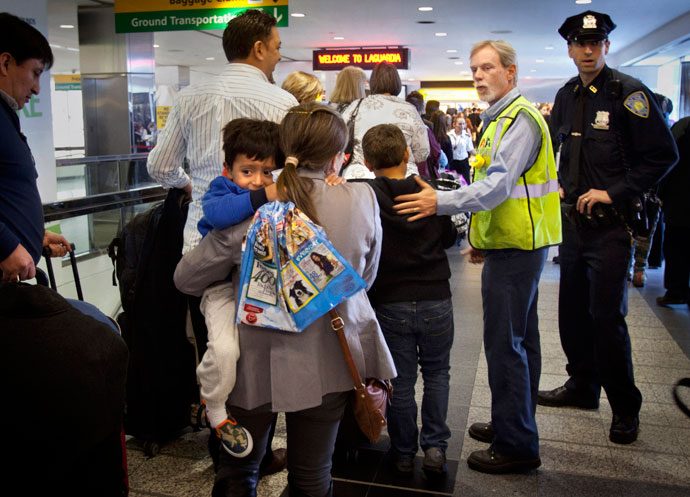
{"type": "Point", "coordinates": [50, 279]}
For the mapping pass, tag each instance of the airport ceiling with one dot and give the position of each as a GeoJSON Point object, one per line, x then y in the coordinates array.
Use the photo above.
{"type": "Point", "coordinates": [529, 25]}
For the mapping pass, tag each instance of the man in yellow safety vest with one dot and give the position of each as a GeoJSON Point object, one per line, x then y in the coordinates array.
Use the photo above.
{"type": "Point", "coordinates": [516, 217]}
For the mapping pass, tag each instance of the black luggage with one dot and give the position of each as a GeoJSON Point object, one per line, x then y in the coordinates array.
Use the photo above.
{"type": "Point", "coordinates": [49, 280]}
{"type": "Point", "coordinates": [61, 356]}
{"type": "Point", "coordinates": [161, 383]}
{"type": "Point", "coordinates": [461, 220]}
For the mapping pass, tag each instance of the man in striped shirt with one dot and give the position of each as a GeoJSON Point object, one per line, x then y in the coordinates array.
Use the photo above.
{"type": "Point", "coordinates": [194, 127]}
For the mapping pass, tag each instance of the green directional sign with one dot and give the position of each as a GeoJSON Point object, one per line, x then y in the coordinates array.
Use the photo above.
{"type": "Point", "coordinates": [133, 16]}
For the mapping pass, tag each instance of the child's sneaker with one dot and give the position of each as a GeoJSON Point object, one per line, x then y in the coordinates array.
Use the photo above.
{"type": "Point", "coordinates": [235, 439]}
{"type": "Point", "coordinates": [639, 278]}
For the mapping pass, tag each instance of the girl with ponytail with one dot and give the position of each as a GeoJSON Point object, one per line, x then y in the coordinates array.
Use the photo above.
{"type": "Point", "coordinates": [302, 374]}
{"type": "Point", "coordinates": [312, 137]}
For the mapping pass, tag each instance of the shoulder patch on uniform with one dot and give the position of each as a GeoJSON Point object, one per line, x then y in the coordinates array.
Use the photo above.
{"type": "Point", "coordinates": [638, 104]}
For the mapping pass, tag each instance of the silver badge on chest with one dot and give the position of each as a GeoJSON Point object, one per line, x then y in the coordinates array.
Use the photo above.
{"type": "Point", "coordinates": [601, 120]}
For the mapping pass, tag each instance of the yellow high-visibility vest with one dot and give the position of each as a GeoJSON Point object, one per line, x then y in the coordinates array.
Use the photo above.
{"type": "Point", "coordinates": [530, 218]}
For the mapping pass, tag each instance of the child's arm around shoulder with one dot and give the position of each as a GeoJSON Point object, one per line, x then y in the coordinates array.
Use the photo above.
{"type": "Point", "coordinates": [226, 204]}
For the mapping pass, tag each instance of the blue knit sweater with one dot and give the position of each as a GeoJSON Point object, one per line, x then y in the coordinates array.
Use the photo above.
{"type": "Point", "coordinates": [21, 211]}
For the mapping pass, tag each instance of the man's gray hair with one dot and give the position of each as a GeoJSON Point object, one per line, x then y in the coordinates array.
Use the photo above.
{"type": "Point", "coordinates": [506, 53]}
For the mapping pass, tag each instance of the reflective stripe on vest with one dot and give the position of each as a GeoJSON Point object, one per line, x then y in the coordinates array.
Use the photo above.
{"type": "Point", "coordinates": [533, 191]}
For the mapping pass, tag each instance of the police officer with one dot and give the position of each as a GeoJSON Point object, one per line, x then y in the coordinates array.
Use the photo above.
{"type": "Point", "coordinates": [614, 146]}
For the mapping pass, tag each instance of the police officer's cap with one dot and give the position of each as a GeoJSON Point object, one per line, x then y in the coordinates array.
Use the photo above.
{"type": "Point", "coordinates": [589, 25]}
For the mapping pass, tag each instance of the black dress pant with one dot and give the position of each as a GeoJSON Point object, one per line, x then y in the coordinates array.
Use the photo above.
{"type": "Point", "coordinates": [462, 167]}
{"type": "Point", "coordinates": [310, 440]}
{"type": "Point", "coordinates": [677, 255]}
{"type": "Point", "coordinates": [593, 303]}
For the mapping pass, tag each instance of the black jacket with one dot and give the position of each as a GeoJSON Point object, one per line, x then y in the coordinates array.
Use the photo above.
{"type": "Point", "coordinates": [413, 264]}
{"type": "Point", "coordinates": [674, 190]}
{"type": "Point", "coordinates": [63, 389]}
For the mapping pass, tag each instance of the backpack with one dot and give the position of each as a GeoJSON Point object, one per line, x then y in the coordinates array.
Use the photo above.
{"type": "Point", "coordinates": [161, 380]}
{"type": "Point", "coordinates": [125, 251]}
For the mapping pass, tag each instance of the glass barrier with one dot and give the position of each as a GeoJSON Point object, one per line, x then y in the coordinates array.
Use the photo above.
{"type": "Point", "coordinates": [85, 176]}
{"type": "Point", "coordinates": [91, 222]}
{"type": "Point", "coordinates": [97, 196]}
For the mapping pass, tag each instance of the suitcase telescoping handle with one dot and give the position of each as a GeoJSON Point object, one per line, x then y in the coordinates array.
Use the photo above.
{"type": "Point", "coordinates": [75, 271]}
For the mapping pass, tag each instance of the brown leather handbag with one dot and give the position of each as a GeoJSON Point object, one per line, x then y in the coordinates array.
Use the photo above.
{"type": "Point", "coordinates": [370, 398]}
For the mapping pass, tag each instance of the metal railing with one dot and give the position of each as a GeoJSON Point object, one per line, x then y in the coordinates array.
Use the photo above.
{"type": "Point", "coordinates": [78, 161]}
{"type": "Point", "coordinates": [104, 202]}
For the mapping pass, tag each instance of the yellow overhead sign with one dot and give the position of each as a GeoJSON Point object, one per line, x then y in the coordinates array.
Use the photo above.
{"type": "Point", "coordinates": [65, 82]}
{"type": "Point", "coordinates": [67, 78]}
{"type": "Point", "coordinates": [450, 94]}
{"type": "Point", "coordinates": [122, 6]}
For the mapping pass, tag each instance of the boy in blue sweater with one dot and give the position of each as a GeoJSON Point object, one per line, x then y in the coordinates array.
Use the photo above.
{"type": "Point", "coordinates": [252, 153]}
{"type": "Point", "coordinates": [412, 300]}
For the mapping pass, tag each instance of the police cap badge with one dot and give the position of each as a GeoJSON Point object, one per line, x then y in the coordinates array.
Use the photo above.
{"type": "Point", "coordinates": [589, 25]}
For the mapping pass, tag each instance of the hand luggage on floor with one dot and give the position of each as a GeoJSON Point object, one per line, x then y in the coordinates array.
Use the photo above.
{"type": "Point", "coordinates": [63, 375]}
{"type": "Point", "coordinates": [161, 383]}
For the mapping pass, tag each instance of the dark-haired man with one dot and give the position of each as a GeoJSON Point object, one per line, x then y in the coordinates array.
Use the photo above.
{"type": "Point", "coordinates": [53, 353]}
{"type": "Point", "coordinates": [614, 145]}
{"type": "Point", "coordinates": [193, 130]}
{"type": "Point", "coordinates": [24, 54]}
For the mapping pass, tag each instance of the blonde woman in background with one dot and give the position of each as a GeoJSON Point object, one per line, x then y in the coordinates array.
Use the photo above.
{"type": "Point", "coordinates": [349, 86]}
{"type": "Point", "coordinates": [303, 86]}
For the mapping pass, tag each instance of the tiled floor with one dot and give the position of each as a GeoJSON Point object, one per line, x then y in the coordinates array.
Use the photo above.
{"type": "Point", "coordinates": [577, 457]}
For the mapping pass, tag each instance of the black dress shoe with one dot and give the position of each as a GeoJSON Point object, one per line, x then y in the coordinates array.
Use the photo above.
{"type": "Point", "coordinates": [667, 300]}
{"type": "Point", "coordinates": [490, 461]}
{"type": "Point", "coordinates": [564, 397]}
{"type": "Point", "coordinates": [278, 463]}
{"type": "Point", "coordinates": [483, 432]}
{"type": "Point", "coordinates": [624, 429]}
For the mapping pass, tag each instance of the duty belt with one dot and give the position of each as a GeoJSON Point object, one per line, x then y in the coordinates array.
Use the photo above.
{"type": "Point", "coordinates": [602, 216]}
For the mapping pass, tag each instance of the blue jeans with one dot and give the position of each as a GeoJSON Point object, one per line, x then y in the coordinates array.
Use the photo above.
{"type": "Point", "coordinates": [511, 341]}
{"type": "Point", "coordinates": [418, 332]}
{"type": "Point", "coordinates": [93, 311]}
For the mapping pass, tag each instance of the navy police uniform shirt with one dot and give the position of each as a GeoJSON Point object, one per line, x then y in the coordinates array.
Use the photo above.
{"type": "Point", "coordinates": [626, 144]}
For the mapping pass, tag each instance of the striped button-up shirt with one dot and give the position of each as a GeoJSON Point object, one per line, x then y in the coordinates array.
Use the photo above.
{"type": "Point", "coordinates": [194, 131]}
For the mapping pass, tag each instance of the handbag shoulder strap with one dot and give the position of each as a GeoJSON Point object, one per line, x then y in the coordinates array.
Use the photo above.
{"type": "Point", "coordinates": [353, 116]}
{"type": "Point", "coordinates": [338, 326]}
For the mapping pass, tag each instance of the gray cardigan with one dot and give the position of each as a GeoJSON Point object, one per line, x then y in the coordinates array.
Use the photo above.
{"type": "Point", "coordinates": [293, 371]}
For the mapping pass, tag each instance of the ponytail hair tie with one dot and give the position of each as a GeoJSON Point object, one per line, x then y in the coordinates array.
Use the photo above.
{"type": "Point", "coordinates": [291, 159]}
